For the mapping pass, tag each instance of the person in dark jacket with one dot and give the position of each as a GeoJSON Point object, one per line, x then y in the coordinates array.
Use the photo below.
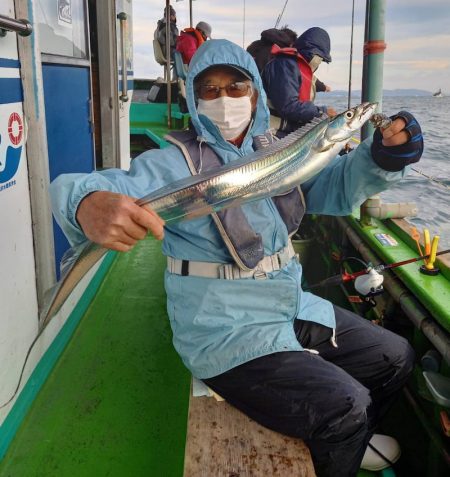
{"type": "Point", "coordinates": [260, 49]}
{"type": "Point", "coordinates": [289, 79]}
{"type": "Point", "coordinates": [283, 37]}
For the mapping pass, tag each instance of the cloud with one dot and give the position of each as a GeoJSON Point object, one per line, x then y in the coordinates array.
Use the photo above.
{"type": "Point", "coordinates": [417, 35]}
{"type": "Point", "coordinates": [421, 46]}
{"type": "Point", "coordinates": [439, 64]}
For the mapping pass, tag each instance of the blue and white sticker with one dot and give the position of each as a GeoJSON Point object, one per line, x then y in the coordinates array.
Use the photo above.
{"type": "Point", "coordinates": [12, 127]}
{"type": "Point", "coordinates": [386, 240]}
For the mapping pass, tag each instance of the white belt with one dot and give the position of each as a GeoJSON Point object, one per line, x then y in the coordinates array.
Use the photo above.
{"type": "Point", "coordinates": [230, 271]}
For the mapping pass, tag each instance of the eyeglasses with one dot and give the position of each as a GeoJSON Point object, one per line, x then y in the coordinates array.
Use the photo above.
{"type": "Point", "coordinates": [212, 91]}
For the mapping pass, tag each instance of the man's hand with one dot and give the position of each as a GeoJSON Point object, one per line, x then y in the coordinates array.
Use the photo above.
{"type": "Point", "coordinates": [399, 144]}
{"type": "Point", "coordinates": [395, 134]}
{"type": "Point", "coordinates": [331, 112]}
{"type": "Point", "coordinates": [116, 222]}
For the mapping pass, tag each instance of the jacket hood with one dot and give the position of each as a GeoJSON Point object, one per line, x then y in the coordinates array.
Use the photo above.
{"type": "Point", "coordinates": [314, 41]}
{"type": "Point", "coordinates": [273, 35]}
{"type": "Point", "coordinates": [224, 52]}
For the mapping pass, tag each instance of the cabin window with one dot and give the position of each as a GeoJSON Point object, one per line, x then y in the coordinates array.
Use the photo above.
{"type": "Point", "coordinates": [62, 27]}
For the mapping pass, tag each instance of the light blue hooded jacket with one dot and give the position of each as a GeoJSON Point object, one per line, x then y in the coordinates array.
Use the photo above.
{"type": "Point", "coordinates": [219, 324]}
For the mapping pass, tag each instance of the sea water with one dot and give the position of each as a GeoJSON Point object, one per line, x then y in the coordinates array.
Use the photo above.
{"type": "Point", "coordinates": [432, 199]}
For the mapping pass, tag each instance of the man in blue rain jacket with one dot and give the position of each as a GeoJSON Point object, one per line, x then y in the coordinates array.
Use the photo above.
{"type": "Point", "coordinates": [240, 319]}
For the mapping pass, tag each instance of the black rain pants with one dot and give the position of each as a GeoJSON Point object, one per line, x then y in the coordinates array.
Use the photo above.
{"type": "Point", "coordinates": [333, 400]}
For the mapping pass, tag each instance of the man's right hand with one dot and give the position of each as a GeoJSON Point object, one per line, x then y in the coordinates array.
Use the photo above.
{"type": "Point", "coordinates": [331, 112]}
{"type": "Point", "coordinates": [115, 221]}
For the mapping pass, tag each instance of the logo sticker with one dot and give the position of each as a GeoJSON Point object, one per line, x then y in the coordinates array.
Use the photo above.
{"type": "Point", "coordinates": [386, 240]}
{"type": "Point", "coordinates": [11, 139]}
{"type": "Point", "coordinates": [15, 129]}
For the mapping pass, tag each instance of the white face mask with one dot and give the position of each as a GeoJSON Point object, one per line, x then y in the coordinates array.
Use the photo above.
{"type": "Point", "coordinates": [315, 62]}
{"type": "Point", "coordinates": [230, 115]}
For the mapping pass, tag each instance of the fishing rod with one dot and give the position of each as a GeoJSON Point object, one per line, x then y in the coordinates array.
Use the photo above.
{"type": "Point", "coordinates": [281, 14]}
{"type": "Point", "coordinates": [243, 28]}
{"type": "Point", "coordinates": [351, 58]}
{"type": "Point", "coordinates": [347, 277]}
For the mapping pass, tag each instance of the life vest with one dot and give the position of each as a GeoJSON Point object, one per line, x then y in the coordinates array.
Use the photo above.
{"type": "Point", "coordinates": [243, 243]}
{"type": "Point", "coordinates": [197, 34]}
{"type": "Point", "coordinates": [307, 90]}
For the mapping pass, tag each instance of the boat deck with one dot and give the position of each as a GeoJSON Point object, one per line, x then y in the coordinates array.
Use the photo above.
{"type": "Point", "coordinates": [116, 403]}
{"type": "Point", "coordinates": [149, 121]}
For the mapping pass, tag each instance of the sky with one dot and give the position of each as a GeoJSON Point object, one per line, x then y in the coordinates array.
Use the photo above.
{"type": "Point", "coordinates": [417, 35]}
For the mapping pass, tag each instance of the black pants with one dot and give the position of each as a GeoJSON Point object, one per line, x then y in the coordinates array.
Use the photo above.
{"type": "Point", "coordinates": [334, 400]}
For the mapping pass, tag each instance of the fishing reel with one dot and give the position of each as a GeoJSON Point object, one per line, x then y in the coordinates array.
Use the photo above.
{"type": "Point", "coordinates": [368, 283]}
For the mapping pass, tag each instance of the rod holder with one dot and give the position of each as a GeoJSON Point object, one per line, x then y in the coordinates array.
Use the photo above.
{"type": "Point", "coordinates": [374, 207]}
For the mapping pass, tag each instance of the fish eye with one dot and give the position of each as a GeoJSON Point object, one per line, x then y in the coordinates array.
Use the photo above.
{"type": "Point", "coordinates": [349, 114]}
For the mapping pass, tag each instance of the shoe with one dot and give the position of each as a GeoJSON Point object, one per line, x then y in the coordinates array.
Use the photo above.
{"type": "Point", "coordinates": [385, 445]}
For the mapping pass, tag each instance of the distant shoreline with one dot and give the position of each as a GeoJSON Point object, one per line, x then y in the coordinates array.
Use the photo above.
{"type": "Point", "coordinates": [386, 93]}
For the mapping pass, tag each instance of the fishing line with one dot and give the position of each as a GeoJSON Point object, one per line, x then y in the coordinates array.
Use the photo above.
{"type": "Point", "coordinates": [281, 14]}
{"type": "Point", "coordinates": [66, 261]}
{"type": "Point", "coordinates": [243, 28]}
{"type": "Point", "coordinates": [23, 368]}
{"type": "Point", "coordinates": [430, 178]}
{"type": "Point", "coordinates": [380, 454]}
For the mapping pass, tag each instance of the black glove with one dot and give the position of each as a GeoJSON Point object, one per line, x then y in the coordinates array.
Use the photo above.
{"type": "Point", "coordinates": [395, 158]}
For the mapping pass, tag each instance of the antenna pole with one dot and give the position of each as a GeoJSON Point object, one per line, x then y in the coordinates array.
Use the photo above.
{"type": "Point", "coordinates": [374, 46]}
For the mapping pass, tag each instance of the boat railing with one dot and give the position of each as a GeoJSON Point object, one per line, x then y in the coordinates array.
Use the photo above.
{"type": "Point", "coordinates": [122, 16]}
{"type": "Point", "coordinates": [21, 27]}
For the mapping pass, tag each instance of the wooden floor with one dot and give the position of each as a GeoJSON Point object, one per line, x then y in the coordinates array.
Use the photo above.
{"type": "Point", "coordinates": [223, 442]}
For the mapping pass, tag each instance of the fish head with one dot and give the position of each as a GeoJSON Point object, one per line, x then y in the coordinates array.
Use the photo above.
{"type": "Point", "coordinates": [344, 125]}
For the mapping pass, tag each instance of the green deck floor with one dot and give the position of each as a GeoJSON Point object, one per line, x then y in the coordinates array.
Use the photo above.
{"type": "Point", "coordinates": [116, 403]}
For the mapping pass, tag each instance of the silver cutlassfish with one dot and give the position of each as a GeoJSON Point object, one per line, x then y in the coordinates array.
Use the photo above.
{"type": "Point", "coordinates": [267, 172]}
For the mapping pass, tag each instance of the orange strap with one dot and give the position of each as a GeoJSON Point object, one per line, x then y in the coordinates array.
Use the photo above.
{"type": "Point", "coordinates": [286, 51]}
{"type": "Point", "coordinates": [197, 34]}
{"type": "Point", "coordinates": [305, 70]}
